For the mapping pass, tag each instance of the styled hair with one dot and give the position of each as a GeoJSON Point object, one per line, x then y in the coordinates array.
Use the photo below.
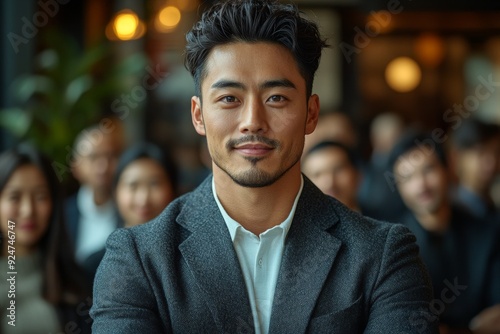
{"type": "Point", "coordinates": [149, 151]}
{"type": "Point", "coordinates": [473, 132]}
{"type": "Point", "coordinates": [351, 155]}
{"type": "Point", "coordinates": [416, 140]}
{"type": "Point", "coordinates": [254, 21]}
{"type": "Point", "coordinates": [63, 283]}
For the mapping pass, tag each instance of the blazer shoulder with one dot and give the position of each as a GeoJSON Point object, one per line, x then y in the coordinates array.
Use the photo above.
{"type": "Point", "coordinates": [361, 231]}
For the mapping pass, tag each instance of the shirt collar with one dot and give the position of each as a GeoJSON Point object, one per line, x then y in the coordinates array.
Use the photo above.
{"type": "Point", "coordinates": [87, 206]}
{"type": "Point", "coordinates": [233, 226]}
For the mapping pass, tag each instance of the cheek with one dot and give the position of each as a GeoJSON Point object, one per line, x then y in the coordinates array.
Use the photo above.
{"type": "Point", "coordinates": [291, 121]}
{"type": "Point", "coordinates": [124, 198]}
{"type": "Point", "coordinates": [220, 125]}
{"type": "Point", "coordinates": [7, 211]}
{"type": "Point", "coordinates": [438, 183]}
{"type": "Point", "coordinates": [406, 190]}
{"type": "Point", "coordinates": [5, 215]}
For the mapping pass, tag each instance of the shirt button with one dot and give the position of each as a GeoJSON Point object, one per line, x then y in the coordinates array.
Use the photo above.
{"type": "Point", "coordinates": [260, 263]}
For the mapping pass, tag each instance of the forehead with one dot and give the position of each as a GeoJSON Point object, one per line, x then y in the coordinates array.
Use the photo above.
{"type": "Point", "coordinates": [97, 143]}
{"type": "Point", "coordinates": [251, 61]}
{"type": "Point", "coordinates": [415, 159]}
{"type": "Point", "coordinates": [142, 168]}
{"type": "Point", "coordinates": [27, 175]}
{"type": "Point", "coordinates": [331, 153]}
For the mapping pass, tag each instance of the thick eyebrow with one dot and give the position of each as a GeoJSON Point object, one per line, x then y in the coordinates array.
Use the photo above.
{"type": "Point", "coordinates": [278, 83]}
{"type": "Point", "coordinates": [266, 85]}
{"type": "Point", "coordinates": [227, 84]}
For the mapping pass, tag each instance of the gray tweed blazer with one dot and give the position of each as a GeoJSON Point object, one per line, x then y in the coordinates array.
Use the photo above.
{"type": "Point", "coordinates": [340, 273]}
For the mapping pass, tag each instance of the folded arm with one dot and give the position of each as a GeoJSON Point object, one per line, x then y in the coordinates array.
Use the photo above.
{"type": "Point", "coordinates": [123, 299]}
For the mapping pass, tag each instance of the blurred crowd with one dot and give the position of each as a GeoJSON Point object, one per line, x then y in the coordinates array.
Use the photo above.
{"type": "Point", "coordinates": [440, 185]}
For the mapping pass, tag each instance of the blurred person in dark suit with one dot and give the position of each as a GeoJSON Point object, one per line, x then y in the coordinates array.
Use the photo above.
{"type": "Point", "coordinates": [461, 252]}
{"type": "Point", "coordinates": [476, 156]}
{"type": "Point", "coordinates": [91, 213]}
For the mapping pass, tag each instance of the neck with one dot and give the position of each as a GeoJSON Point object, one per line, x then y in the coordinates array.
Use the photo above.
{"type": "Point", "coordinates": [101, 196]}
{"type": "Point", "coordinates": [482, 193]}
{"type": "Point", "coordinates": [258, 209]}
{"type": "Point", "coordinates": [437, 221]}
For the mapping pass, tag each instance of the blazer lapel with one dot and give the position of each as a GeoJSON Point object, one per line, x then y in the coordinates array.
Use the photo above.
{"type": "Point", "coordinates": [210, 255]}
{"type": "Point", "coordinates": [307, 260]}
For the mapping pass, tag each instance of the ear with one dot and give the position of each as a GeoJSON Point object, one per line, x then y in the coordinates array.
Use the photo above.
{"type": "Point", "coordinates": [197, 116]}
{"type": "Point", "coordinates": [312, 113]}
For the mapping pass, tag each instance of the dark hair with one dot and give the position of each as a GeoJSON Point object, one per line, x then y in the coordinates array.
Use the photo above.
{"type": "Point", "coordinates": [63, 283]}
{"type": "Point", "coordinates": [414, 139]}
{"type": "Point", "coordinates": [254, 21]}
{"type": "Point", "coordinates": [150, 151]}
{"type": "Point", "coordinates": [473, 132]}
{"type": "Point", "coordinates": [351, 155]}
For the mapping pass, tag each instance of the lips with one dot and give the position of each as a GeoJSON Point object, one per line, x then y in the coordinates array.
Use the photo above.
{"type": "Point", "coordinates": [253, 149]}
{"type": "Point", "coordinates": [425, 196]}
{"type": "Point", "coordinates": [27, 226]}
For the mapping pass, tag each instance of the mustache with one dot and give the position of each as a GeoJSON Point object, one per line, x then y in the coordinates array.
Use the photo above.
{"type": "Point", "coordinates": [252, 139]}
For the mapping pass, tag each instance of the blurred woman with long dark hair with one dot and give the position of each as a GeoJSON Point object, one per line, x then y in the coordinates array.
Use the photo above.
{"type": "Point", "coordinates": [49, 292]}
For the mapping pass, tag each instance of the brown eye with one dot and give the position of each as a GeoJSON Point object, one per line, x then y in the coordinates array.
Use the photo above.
{"type": "Point", "coordinates": [229, 99]}
{"type": "Point", "coordinates": [277, 98]}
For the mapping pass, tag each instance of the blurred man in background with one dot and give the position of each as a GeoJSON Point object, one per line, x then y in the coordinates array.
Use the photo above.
{"type": "Point", "coordinates": [476, 152]}
{"type": "Point", "coordinates": [91, 214]}
{"type": "Point", "coordinates": [334, 169]}
{"type": "Point", "coordinates": [462, 254]}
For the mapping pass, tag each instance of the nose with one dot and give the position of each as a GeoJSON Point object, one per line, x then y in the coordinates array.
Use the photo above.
{"type": "Point", "coordinates": [142, 197]}
{"type": "Point", "coordinates": [26, 209]}
{"type": "Point", "coordinates": [102, 164]}
{"type": "Point", "coordinates": [253, 117]}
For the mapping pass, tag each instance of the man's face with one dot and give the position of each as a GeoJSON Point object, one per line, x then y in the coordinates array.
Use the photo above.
{"type": "Point", "coordinates": [422, 181]}
{"type": "Point", "coordinates": [479, 165]}
{"type": "Point", "coordinates": [96, 161]}
{"type": "Point", "coordinates": [331, 171]}
{"type": "Point", "coordinates": [255, 112]}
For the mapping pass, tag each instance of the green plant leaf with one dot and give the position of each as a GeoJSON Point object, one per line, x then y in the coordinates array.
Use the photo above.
{"type": "Point", "coordinates": [15, 120]}
{"type": "Point", "coordinates": [28, 85]}
{"type": "Point", "coordinates": [77, 87]}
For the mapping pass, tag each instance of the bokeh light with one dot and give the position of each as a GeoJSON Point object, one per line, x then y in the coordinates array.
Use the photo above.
{"type": "Point", "coordinates": [403, 74]}
{"type": "Point", "coordinates": [168, 18]}
{"type": "Point", "coordinates": [125, 26]}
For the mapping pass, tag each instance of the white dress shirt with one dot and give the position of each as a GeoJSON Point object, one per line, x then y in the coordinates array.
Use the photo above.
{"type": "Point", "coordinates": [95, 225]}
{"type": "Point", "coordinates": [260, 260]}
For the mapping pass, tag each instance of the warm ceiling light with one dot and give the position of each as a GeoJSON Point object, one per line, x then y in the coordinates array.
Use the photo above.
{"type": "Point", "coordinates": [168, 18]}
{"type": "Point", "coordinates": [429, 49]}
{"type": "Point", "coordinates": [403, 74]}
{"type": "Point", "coordinates": [125, 26]}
